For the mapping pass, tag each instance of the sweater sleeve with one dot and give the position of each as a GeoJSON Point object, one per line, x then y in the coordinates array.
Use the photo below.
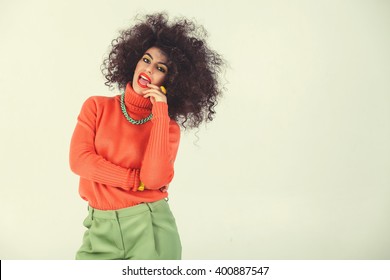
{"type": "Point", "coordinates": [157, 166]}
{"type": "Point", "coordinates": [85, 162]}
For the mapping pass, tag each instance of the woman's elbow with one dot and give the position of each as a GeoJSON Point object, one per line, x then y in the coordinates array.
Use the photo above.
{"type": "Point", "coordinates": [156, 182]}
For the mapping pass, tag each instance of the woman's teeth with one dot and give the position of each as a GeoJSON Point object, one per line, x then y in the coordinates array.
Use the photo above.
{"type": "Point", "coordinates": [143, 81]}
{"type": "Point", "coordinates": [145, 78]}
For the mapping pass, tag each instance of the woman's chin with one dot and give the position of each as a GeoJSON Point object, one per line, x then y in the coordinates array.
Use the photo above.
{"type": "Point", "coordinates": [137, 89]}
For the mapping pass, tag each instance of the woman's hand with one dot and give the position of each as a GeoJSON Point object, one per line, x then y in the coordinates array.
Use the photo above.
{"type": "Point", "coordinates": [165, 188]}
{"type": "Point", "coordinates": [142, 187]}
{"type": "Point", "coordinates": [155, 94]}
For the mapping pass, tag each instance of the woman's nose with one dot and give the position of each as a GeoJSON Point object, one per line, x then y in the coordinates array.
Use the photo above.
{"type": "Point", "coordinates": [149, 69]}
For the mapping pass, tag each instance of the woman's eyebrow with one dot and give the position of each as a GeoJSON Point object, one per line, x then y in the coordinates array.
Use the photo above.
{"type": "Point", "coordinates": [153, 58]}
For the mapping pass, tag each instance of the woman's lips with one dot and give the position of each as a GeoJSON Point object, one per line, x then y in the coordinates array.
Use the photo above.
{"type": "Point", "coordinates": [144, 80]}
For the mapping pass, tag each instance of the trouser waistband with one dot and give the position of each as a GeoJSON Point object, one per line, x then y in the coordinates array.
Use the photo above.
{"type": "Point", "coordinates": [126, 212]}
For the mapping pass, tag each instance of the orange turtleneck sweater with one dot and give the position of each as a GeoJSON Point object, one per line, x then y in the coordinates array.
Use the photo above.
{"type": "Point", "coordinates": [112, 156]}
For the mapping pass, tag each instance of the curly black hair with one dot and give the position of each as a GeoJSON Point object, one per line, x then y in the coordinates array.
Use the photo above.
{"type": "Point", "coordinates": [192, 82]}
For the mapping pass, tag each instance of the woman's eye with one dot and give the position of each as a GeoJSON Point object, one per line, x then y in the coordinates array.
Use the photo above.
{"type": "Point", "coordinates": [146, 60]}
{"type": "Point", "coordinates": [161, 69]}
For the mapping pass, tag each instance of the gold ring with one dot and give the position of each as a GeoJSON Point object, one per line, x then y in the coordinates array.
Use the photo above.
{"type": "Point", "coordinates": [163, 89]}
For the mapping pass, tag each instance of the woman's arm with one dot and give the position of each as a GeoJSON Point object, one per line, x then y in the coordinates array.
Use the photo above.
{"type": "Point", "coordinates": [85, 162]}
{"type": "Point", "coordinates": [158, 164]}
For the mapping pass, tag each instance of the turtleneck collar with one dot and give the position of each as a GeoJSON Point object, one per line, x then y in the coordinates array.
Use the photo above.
{"type": "Point", "coordinates": [133, 99]}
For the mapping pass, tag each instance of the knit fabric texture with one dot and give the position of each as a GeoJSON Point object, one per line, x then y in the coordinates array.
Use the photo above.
{"type": "Point", "coordinates": [112, 156]}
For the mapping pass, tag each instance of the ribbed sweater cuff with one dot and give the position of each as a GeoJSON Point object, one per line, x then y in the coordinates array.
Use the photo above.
{"type": "Point", "coordinates": [158, 142]}
{"type": "Point", "coordinates": [160, 110]}
{"type": "Point", "coordinates": [117, 176]}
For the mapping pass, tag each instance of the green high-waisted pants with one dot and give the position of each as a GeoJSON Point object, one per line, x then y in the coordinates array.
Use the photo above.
{"type": "Point", "coordinates": [143, 232]}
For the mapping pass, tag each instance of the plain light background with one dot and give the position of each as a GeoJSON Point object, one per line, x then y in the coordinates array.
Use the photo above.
{"type": "Point", "coordinates": [295, 166]}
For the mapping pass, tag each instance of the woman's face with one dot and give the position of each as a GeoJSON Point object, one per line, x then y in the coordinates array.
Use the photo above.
{"type": "Point", "coordinates": [151, 69]}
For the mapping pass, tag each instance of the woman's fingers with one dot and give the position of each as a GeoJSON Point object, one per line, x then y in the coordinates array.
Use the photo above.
{"type": "Point", "coordinates": [165, 188]}
{"type": "Point", "coordinates": [155, 94]}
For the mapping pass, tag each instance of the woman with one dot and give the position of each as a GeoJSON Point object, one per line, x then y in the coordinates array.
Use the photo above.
{"type": "Point", "coordinates": [124, 147]}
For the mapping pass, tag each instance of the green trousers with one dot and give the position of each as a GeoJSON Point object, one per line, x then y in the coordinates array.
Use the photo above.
{"type": "Point", "coordinates": [143, 232]}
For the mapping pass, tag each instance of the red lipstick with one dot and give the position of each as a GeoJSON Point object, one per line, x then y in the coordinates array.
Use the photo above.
{"type": "Point", "coordinates": [144, 80]}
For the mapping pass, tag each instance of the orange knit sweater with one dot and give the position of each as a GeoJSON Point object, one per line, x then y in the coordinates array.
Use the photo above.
{"type": "Point", "coordinates": [112, 156]}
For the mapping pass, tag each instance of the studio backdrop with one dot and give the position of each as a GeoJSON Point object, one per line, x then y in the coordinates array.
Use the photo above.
{"type": "Point", "coordinates": [294, 166]}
